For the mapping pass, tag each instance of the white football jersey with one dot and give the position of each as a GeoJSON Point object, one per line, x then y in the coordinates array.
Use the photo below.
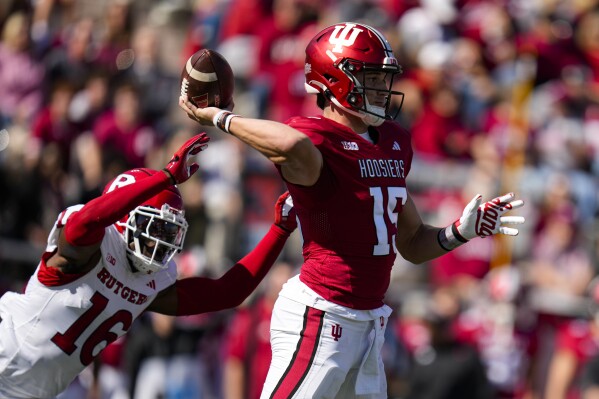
{"type": "Point", "coordinates": [49, 334]}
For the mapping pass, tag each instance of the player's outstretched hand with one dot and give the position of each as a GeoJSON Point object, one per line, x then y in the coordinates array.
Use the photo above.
{"type": "Point", "coordinates": [487, 219]}
{"type": "Point", "coordinates": [285, 216]}
{"type": "Point", "coordinates": [178, 167]}
{"type": "Point", "coordinates": [203, 116]}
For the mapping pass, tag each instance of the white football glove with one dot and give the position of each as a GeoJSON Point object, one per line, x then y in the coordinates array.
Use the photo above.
{"type": "Point", "coordinates": [482, 220]}
{"type": "Point", "coordinates": [486, 219]}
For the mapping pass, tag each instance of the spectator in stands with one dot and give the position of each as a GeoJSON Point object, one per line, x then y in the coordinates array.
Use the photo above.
{"type": "Point", "coordinates": [161, 359]}
{"type": "Point", "coordinates": [90, 101]}
{"type": "Point", "coordinates": [157, 87]}
{"type": "Point", "coordinates": [115, 33]}
{"type": "Point", "coordinates": [576, 345]}
{"type": "Point", "coordinates": [72, 58]}
{"type": "Point", "coordinates": [283, 37]}
{"type": "Point", "coordinates": [453, 140]}
{"type": "Point", "coordinates": [21, 75]}
{"type": "Point", "coordinates": [560, 270]}
{"type": "Point", "coordinates": [122, 131]}
{"type": "Point", "coordinates": [446, 368]}
{"type": "Point", "coordinates": [53, 125]}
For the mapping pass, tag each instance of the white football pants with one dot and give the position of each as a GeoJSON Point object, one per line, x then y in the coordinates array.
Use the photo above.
{"type": "Point", "coordinates": [317, 354]}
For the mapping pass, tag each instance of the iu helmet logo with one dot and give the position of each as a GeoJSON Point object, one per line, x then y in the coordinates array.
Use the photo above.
{"type": "Point", "coordinates": [339, 38]}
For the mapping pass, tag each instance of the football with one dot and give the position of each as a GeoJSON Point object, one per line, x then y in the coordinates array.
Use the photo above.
{"type": "Point", "coordinates": [207, 80]}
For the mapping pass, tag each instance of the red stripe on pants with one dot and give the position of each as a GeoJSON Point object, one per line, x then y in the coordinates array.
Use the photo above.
{"type": "Point", "coordinates": [302, 358]}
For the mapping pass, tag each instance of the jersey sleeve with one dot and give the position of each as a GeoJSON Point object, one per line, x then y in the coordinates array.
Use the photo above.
{"type": "Point", "coordinates": [197, 295]}
{"type": "Point", "coordinates": [87, 226]}
{"type": "Point", "coordinates": [326, 184]}
{"type": "Point", "coordinates": [61, 221]}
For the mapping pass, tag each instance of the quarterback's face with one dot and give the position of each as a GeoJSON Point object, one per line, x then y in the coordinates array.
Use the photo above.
{"type": "Point", "coordinates": [376, 85]}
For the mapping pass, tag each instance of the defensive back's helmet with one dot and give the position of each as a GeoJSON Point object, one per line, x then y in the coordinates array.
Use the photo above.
{"type": "Point", "coordinates": [336, 54]}
{"type": "Point", "coordinates": [155, 230]}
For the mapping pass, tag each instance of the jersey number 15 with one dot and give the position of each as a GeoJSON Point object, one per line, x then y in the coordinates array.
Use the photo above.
{"type": "Point", "coordinates": [384, 242]}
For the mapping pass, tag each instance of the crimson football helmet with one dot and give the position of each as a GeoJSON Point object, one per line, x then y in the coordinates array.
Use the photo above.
{"type": "Point", "coordinates": [336, 54]}
{"type": "Point", "coordinates": [155, 230]}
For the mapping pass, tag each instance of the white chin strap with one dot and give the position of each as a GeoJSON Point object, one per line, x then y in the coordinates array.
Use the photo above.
{"type": "Point", "coordinates": [369, 119]}
{"type": "Point", "coordinates": [374, 120]}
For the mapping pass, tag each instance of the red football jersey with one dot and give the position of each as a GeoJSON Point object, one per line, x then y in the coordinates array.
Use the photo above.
{"type": "Point", "coordinates": [348, 218]}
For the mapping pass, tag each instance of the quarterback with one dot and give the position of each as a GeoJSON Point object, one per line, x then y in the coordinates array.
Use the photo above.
{"type": "Point", "coordinates": [347, 171]}
{"type": "Point", "coordinates": [108, 261]}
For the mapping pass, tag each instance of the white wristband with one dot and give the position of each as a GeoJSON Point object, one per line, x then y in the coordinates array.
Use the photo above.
{"type": "Point", "coordinates": [222, 120]}
{"type": "Point", "coordinates": [218, 116]}
{"type": "Point", "coordinates": [228, 120]}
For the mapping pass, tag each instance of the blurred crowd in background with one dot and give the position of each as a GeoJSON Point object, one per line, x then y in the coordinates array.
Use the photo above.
{"type": "Point", "coordinates": [500, 95]}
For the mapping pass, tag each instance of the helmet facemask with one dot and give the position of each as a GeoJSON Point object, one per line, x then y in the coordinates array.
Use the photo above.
{"type": "Point", "coordinates": [357, 98]}
{"type": "Point", "coordinates": [154, 236]}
